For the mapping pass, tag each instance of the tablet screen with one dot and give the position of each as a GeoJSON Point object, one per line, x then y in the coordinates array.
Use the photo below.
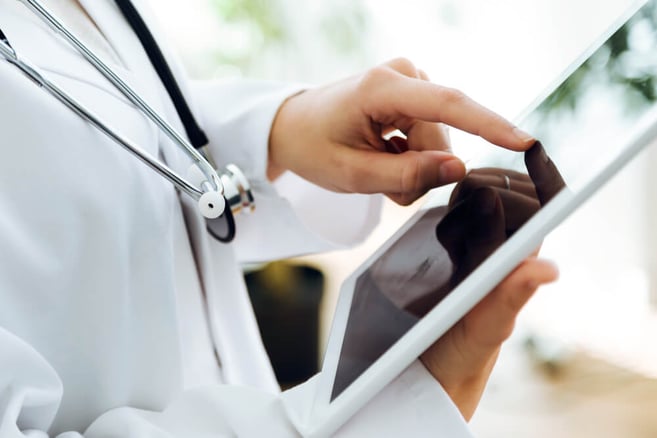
{"type": "Point", "coordinates": [582, 125]}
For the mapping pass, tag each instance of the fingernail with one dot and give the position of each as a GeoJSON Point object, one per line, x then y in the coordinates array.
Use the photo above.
{"type": "Point", "coordinates": [543, 155]}
{"type": "Point", "coordinates": [451, 170]}
{"type": "Point", "coordinates": [522, 135]}
{"type": "Point", "coordinates": [536, 154]}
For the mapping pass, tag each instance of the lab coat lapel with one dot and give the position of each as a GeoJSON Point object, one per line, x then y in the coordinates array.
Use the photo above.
{"type": "Point", "coordinates": [118, 32]}
{"type": "Point", "coordinates": [125, 42]}
{"type": "Point", "coordinates": [126, 45]}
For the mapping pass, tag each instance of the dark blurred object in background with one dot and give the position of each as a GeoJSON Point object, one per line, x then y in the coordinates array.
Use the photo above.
{"type": "Point", "coordinates": [286, 299]}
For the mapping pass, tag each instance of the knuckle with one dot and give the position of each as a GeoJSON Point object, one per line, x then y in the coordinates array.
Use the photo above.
{"type": "Point", "coordinates": [403, 66]}
{"type": "Point", "coordinates": [514, 302]}
{"type": "Point", "coordinates": [506, 330]}
{"type": "Point", "coordinates": [410, 181]}
{"type": "Point", "coordinates": [374, 76]}
{"type": "Point", "coordinates": [466, 187]}
{"type": "Point", "coordinates": [345, 179]}
{"type": "Point", "coordinates": [351, 179]}
{"type": "Point", "coordinates": [423, 74]}
{"type": "Point", "coordinates": [517, 300]}
{"type": "Point", "coordinates": [452, 96]}
{"type": "Point", "coordinates": [371, 90]}
{"type": "Point", "coordinates": [444, 131]}
{"type": "Point", "coordinates": [468, 184]}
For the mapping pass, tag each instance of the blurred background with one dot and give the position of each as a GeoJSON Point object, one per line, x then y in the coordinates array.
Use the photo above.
{"type": "Point", "coordinates": [583, 360]}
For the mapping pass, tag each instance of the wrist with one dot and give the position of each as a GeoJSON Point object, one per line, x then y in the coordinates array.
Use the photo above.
{"type": "Point", "coordinates": [464, 382]}
{"type": "Point", "coordinates": [280, 136]}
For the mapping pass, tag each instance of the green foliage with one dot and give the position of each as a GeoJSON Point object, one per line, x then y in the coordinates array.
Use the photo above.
{"type": "Point", "coordinates": [343, 27]}
{"type": "Point", "coordinates": [263, 16]}
{"type": "Point", "coordinates": [270, 35]}
{"type": "Point", "coordinates": [616, 63]}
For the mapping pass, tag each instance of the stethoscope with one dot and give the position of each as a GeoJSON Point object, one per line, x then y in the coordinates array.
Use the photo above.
{"type": "Point", "coordinates": [213, 191]}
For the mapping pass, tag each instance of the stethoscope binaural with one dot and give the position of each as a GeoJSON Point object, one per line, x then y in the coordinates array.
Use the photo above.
{"type": "Point", "coordinates": [213, 191]}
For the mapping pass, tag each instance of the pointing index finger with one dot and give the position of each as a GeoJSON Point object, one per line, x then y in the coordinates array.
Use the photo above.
{"type": "Point", "coordinates": [410, 97]}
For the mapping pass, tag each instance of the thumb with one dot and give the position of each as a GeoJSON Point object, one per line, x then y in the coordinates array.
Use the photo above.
{"type": "Point", "coordinates": [492, 320]}
{"type": "Point", "coordinates": [403, 177]}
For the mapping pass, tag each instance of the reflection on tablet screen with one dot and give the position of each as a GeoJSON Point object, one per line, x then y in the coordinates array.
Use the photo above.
{"type": "Point", "coordinates": [582, 124]}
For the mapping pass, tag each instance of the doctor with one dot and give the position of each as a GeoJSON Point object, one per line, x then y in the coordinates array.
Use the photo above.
{"type": "Point", "coordinates": [121, 317]}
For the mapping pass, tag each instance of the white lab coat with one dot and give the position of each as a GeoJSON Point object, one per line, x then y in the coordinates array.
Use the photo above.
{"type": "Point", "coordinates": [90, 298]}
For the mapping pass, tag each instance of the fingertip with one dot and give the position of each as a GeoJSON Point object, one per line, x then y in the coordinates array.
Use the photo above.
{"type": "Point", "coordinates": [552, 270]}
{"type": "Point", "coordinates": [451, 170]}
{"type": "Point", "coordinates": [523, 139]}
{"type": "Point", "coordinates": [541, 272]}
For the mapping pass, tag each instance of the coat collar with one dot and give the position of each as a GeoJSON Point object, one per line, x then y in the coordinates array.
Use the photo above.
{"type": "Point", "coordinates": [111, 23]}
{"type": "Point", "coordinates": [126, 44]}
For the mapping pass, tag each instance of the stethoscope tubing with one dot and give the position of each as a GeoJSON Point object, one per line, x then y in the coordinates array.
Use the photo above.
{"type": "Point", "coordinates": [203, 164]}
{"type": "Point", "coordinates": [28, 69]}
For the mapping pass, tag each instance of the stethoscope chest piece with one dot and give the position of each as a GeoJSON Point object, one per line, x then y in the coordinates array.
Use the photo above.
{"type": "Point", "coordinates": [237, 193]}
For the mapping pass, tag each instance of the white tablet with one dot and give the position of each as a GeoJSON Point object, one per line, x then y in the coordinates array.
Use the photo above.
{"type": "Point", "coordinates": [591, 122]}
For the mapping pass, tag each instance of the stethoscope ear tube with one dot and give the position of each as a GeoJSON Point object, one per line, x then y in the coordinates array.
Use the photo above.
{"type": "Point", "coordinates": [30, 71]}
{"type": "Point", "coordinates": [194, 132]}
{"type": "Point", "coordinates": [128, 92]}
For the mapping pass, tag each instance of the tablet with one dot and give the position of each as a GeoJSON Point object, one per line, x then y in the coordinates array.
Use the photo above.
{"type": "Point", "coordinates": [595, 118]}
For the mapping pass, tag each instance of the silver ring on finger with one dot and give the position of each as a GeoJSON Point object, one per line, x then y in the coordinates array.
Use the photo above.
{"type": "Point", "coordinates": [507, 182]}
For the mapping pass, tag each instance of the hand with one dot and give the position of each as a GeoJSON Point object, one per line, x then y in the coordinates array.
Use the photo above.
{"type": "Point", "coordinates": [463, 358]}
{"type": "Point", "coordinates": [487, 207]}
{"type": "Point", "coordinates": [490, 204]}
{"type": "Point", "coordinates": [333, 136]}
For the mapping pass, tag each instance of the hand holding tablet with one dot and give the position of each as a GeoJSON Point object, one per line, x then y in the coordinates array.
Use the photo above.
{"type": "Point", "coordinates": [485, 209]}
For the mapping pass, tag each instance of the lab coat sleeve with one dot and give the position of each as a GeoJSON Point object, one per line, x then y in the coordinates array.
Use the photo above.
{"type": "Point", "coordinates": [30, 393]}
{"type": "Point", "coordinates": [414, 405]}
{"type": "Point", "coordinates": [292, 216]}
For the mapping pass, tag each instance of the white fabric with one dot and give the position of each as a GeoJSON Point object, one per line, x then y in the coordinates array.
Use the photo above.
{"type": "Point", "coordinates": [97, 285]}
{"type": "Point", "coordinates": [71, 13]}
{"type": "Point", "coordinates": [199, 361]}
